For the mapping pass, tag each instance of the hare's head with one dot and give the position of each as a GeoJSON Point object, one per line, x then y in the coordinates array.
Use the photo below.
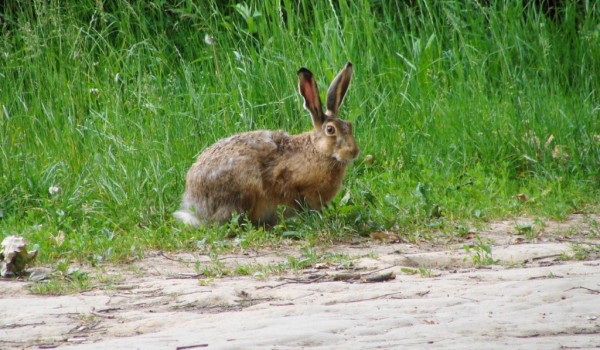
{"type": "Point", "coordinates": [331, 136]}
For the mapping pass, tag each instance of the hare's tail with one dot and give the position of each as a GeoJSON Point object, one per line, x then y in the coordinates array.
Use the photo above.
{"type": "Point", "coordinates": [186, 215]}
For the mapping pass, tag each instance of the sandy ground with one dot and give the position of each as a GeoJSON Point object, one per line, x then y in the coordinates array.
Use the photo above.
{"type": "Point", "coordinates": [533, 298]}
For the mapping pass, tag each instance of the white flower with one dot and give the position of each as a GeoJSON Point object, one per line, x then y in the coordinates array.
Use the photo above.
{"type": "Point", "coordinates": [208, 39]}
{"type": "Point", "coordinates": [53, 190]}
{"type": "Point", "coordinates": [238, 56]}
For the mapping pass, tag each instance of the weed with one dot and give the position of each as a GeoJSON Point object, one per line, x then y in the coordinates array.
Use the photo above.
{"type": "Point", "coordinates": [214, 268]}
{"type": "Point", "coordinates": [310, 258]}
{"type": "Point", "coordinates": [481, 253]}
{"type": "Point", "coordinates": [107, 280]}
{"type": "Point", "coordinates": [63, 280]}
{"type": "Point", "coordinates": [525, 229]}
{"type": "Point", "coordinates": [585, 251]}
{"type": "Point", "coordinates": [594, 228]}
{"type": "Point", "coordinates": [408, 271]}
{"type": "Point", "coordinates": [425, 272]}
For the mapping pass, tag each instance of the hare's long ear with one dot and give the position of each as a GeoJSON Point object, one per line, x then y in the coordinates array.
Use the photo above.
{"type": "Point", "coordinates": [312, 102]}
{"type": "Point", "coordinates": [337, 89]}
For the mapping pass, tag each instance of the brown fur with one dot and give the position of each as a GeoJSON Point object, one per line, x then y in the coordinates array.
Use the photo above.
{"type": "Point", "coordinates": [256, 171]}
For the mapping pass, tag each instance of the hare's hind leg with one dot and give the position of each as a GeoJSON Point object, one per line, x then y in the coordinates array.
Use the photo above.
{"type": "Point", "coordinates": [263, 213]}
{"type": "Point", "coordinates": [246, 201]}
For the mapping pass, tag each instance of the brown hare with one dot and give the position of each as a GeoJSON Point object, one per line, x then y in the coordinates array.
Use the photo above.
{"type": "Point", "coordinates": [253, 172]}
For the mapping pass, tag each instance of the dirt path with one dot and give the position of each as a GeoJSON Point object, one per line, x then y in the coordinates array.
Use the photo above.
{"type": "Point", "coordinates": [533, 298]}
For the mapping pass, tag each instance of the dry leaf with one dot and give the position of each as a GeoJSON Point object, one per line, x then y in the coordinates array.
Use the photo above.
{"type": "Point", "coordinates": [382, 277]}
{"type": "Point", "coordinates": [346, 276]}
{"type": "Point", "coordinates": [14, 256]}
{"type": "Point", "coordinates": [59, 238]}
{"type": "Point", "coordinates": [549, 141]}
{"type": "Point", "coordinates": [518, 240]}
{"type": "Point", "coordinates": [243, 294]}
{"type": "Point", "coordinates": [385, 236]}
{"type": "Point", "coordinates": [522, 197]}
{"type": "Point", "coordinates": [559, 153]}
{"type": "Point", "coordinates": [321, 266]}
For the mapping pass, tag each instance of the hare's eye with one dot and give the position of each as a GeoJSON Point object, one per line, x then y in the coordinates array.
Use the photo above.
{"type": "Point", "coordinates": [330, 130]}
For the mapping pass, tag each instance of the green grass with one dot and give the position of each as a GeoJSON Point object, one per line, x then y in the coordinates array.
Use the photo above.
{"type": "Point", "coordinates": [462, 107]}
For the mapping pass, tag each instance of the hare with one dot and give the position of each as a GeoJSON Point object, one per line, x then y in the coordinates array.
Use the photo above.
{"type": "Point", "coordinates": [253, 172]}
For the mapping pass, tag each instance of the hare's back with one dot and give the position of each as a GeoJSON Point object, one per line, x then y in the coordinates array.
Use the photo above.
{"type": "Point", "coordinates": [238, 158]}
{"type": "Point", "coordinates": [254, 145]}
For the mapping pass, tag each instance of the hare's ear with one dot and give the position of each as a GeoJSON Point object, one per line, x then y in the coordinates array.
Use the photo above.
{"type": "Point", "coordinates": [309, 91]}
{"type": "Point", "coordinates": [337, 89]}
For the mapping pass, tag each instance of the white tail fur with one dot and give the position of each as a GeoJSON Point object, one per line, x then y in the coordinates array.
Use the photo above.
{"type": "Point", "coordinates": [187, 217]}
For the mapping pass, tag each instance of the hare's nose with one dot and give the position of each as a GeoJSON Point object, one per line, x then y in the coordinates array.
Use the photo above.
{"type": "Point", "coordinates": [355, 151]}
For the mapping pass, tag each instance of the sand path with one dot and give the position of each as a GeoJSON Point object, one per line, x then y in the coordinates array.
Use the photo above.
{"type": "Point", "coordinates": [533, 298]}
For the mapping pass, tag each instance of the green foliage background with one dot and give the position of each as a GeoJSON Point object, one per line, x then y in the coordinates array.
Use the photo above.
{"type": "Point", "coordinates": [462, 104]}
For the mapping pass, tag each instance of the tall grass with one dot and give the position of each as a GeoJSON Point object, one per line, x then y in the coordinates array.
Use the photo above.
{"type": "Point", "coordinates": [462, 105]}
